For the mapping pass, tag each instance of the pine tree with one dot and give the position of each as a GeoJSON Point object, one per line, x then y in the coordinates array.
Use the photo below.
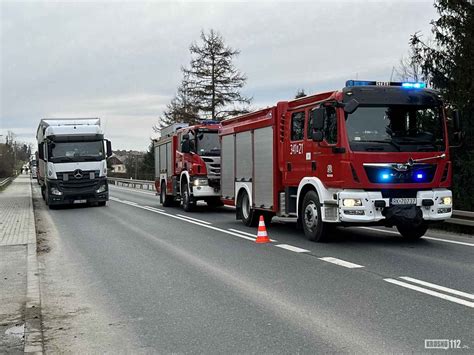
{"type": "Point", "coordinates": [213, 81]}
{"type": "Point", "coordinates": [449, 64]}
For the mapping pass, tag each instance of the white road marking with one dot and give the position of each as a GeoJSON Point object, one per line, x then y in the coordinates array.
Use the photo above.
{"type": "Point", "coordinates": [132, 190]}
{"type": "Point", "coordinates": [438, 287]}
{"type": "Point", "coordinates": [155, 209]}
{"type": "Point", "coordinates": [194, 219]}
{"type": "Point", "coordinates": [250, 235]}
{"type": "Point", "coordinates": [432, 293]}
{"type": "Point", "coordinates": [425, 237]}
{"type": "Point", "coordinates": [292, 248]}
{"type": "Point", "coordinates": [341, 262]}
{"type": "Point", "coordinates": [450, 241]}
{"type": "Point", "coordinates": [188, 220]}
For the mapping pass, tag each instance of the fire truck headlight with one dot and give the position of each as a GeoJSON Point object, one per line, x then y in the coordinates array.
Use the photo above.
{"type": "Point", "coordinates": [201, 182]}
{"type": "Point", "coordinates": [446, 201]}
{"type": "Point", "coordinates": [352, 202]}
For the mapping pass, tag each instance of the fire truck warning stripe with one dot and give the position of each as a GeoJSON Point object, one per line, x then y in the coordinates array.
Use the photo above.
{"type": "Point", "coordinates": [341, 262]}
{"type": "Point", "coordinates": [430, 292]}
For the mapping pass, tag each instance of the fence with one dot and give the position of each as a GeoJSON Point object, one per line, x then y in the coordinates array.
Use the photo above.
{"type": "Point", "coordinates": [464, 218]}
{"type": "Point", "coordinates": [5, 181]}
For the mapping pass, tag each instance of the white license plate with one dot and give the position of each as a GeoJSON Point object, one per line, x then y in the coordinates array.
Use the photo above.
{"type": "Point", "coordinates": [79, 201]}
{"type": "Point", "coordinates": [403, 201]}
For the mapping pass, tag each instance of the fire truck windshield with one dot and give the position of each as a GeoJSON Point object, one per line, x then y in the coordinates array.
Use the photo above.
{"type": "Point", "coordinates": [403, 128]}
{"type": "Point", "coordinates": [208, 143]}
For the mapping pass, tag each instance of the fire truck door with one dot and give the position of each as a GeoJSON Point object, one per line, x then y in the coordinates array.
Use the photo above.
{"type": "Point", "coordinates": [319, 155]}
{"type": "Point", "coordinates": [294, 168]}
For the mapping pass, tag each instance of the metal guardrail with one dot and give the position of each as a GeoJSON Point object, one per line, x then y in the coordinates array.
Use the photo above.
{"type": "Point", "coordinates": [464, 218]}
{"type": "Point", "coordinates": [134, 184]}
{"type": "Point", "coordinates": [5, 181]}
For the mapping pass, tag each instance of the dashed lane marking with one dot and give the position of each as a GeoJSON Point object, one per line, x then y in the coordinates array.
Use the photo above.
{"type": "Point", "coordinates": [292, 248]}
{"type": "Point", "coordinates": [431, 292]}
{"type": "Point", "coordinates": [425, 237]}
{"type": "Point", "coordinates": [133, 190]}
{"type": "Point", "coordinates": [250, 235]}
{"type": "Point", "coordinates": [184, 219]}
{"type": "Point", "coordinates": [194, 219]}
{"type": "Point", "coordinates": [340, 262]}
{"type": "Point", "coordinates": [438, 287]}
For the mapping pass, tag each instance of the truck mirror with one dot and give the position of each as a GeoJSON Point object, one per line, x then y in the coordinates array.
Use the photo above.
{"type": "Point", "coordinates": [186, 137]}
{"type": "Point", "coordinates": [109, 148]}
{"type": "Point", "coordinates": [317, 136]}
{"type": "Point", "coordinates": [185, 146]}
{"type": "Point", "coordinates": [41, 151]}
{"type": "Point", "coordinates": [351, 106]}
{"type": "Point", "coordinates": [456, 121]}
{"type": "Point", "coordinates": [50, 149]}
{"type": "Point", "coordinates": [317, 116]}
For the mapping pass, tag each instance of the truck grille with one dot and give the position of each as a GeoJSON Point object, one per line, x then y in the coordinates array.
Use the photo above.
{"type": "Point", "coordinates": [79, 181]}
{"type": "Point", "coordinates": [213, 166]}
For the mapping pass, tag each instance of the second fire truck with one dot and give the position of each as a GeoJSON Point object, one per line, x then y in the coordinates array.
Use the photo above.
{"type": "Point", "coordinates": [188, 165]}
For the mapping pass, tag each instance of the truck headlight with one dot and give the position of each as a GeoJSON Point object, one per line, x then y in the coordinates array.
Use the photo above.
{"type": "Point", "coordinates": [446, 200]}
{"type": "Point", "coordinates": [55, 191]}
{"type": "Point", "coordinates": [352, 202]}
{"type": "Point", "coordinates": [102, 188]}
{"type": "Point", "coordinates": [201, 182]}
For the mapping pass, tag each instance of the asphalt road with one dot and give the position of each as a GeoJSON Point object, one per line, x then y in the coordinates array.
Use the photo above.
{"type": "Point", "coordinates": [197, 282]}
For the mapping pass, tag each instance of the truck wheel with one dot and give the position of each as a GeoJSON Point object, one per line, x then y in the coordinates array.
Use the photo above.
{"type": "Point", "coordinates": [412, 233]}
{"type": "Point", "coordinates": [188, 203]}
{"type": "Point", "coordinates": [314, 228]}
{"type": "Point", "coordinates": [43, 194]}
{"type": "Point", "coordinates": [166, 201]}
{"type": "Point", "coordinates": [249, 217]}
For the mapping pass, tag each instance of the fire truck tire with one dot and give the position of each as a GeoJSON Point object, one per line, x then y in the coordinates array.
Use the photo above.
{"type": "Point", "coordinates": [166, 201]}
{"type": "Point", "coordinates": [411, 232]}
{"type": "Point", "coordinates": [314, 228]}
{"type": "Point", "coordinates": [188, 203]}
{"type": "Point", "coordinates": [249, 216]}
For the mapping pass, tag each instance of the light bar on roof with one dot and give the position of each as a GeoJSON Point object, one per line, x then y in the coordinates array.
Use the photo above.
{"type": "Point", "coordinates": [405, 85]}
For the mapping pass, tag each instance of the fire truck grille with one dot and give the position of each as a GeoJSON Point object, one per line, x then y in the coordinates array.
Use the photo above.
{"type": "Point", "coordinates": [213, 166]}
{"type": "Point", "coordinates": [391, 174]}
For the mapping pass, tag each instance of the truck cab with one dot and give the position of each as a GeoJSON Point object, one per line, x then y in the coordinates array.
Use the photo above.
{"type": "Point", "coordinates": [72, 166]}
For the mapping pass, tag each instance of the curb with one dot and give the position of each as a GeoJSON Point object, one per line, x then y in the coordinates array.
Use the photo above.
{"type": "Point", "coordinates": [33, 324]}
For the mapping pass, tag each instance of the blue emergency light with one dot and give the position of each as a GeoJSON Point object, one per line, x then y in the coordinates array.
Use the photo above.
{"type": "Point", "coordinates": [405, 85]}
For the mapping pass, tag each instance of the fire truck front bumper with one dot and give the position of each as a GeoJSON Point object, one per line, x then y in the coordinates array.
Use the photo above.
{"type": "Point", "coordinates": [357, 206]}
{"type": "Point", "coordinates": [203, 187]}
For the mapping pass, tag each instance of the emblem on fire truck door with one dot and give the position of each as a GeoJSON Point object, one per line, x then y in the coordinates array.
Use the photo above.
{"type": "Point", "coordinates": [296, 148]}
{"type": "Point", "coordinates": [329, 171]}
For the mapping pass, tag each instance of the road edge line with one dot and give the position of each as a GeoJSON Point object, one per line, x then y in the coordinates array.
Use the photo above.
{"type": "Point", "coordinates": [34, 340]}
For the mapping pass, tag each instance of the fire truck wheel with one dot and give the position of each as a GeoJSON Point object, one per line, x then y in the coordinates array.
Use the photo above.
{"type": "Point", "coordinates": [313, 226]}
{"type": "Point", "coordinates": [166, 201]}
{"type": "Point", "coordinates": [249, 217]}
{"type": "Point", "coordinates": [411, 232]}
{"type": "Point", "coordinates": [188, 203]}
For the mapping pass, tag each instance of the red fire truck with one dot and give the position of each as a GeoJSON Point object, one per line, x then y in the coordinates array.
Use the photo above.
{"type": "Point", "coordinates": [371, 153]}
{"type": "Point", "coordinates": [187, 164]}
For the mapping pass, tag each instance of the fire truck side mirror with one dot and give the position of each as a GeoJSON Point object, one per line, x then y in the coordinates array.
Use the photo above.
{"type": "Point", "coordinates": [456, 121]}
{"type": "Point", "coordinates": [318, 136]}
{"type": "Point", "coordinates": [317, 116]}
{"type": "Point", "coordinates": [351, 106]}
{"type": "Point", "coordinates": [185, 145]}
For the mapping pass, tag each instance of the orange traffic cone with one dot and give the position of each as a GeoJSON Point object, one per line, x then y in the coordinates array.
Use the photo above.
{"type": "Point", "coordinates": [262, 236]}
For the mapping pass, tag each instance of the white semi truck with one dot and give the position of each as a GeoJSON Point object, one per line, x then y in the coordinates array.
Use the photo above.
{"type": "Point", "coordinates": [72, 161]}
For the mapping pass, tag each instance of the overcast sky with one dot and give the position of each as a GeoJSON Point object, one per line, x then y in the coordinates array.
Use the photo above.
{"type": "Point", "coordinates": [121, 61]}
